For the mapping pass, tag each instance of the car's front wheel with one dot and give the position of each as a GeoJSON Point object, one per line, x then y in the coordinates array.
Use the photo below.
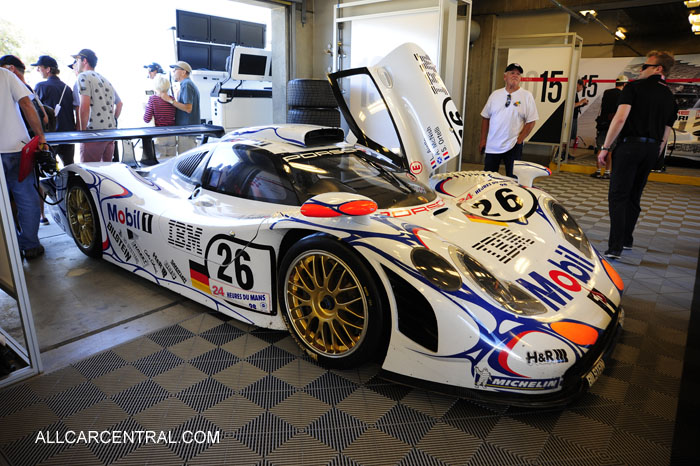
{"type": "Point", "coordinates": [330, 302]}
{"type": "Point", "coordinates": [84, 221]}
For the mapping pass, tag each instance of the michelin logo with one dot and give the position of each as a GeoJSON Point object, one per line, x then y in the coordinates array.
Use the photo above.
{"type": "Point", "coordinates": [131, 217]}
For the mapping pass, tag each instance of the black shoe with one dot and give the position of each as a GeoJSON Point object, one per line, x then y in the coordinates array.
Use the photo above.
{"type": "Point", "coordinates": [595, 175]}
{"type": "Point", "coordinates": [613, 254]}
{"type": "Point", "coordinates": [33, 253]}
{"type": "Point", "coordinates": [627, 246]}
{"type": "Point", "coordinates": [606, 176]}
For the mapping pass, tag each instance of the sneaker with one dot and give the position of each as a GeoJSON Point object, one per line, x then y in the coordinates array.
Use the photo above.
{"type": "Point", "coordinates": [44, 221]}
{"type": "Point", "coordinates": [627, 246]}
{"type": "Point", "coordinates": [595, 175]}
{"type": "Point", "coordinates": [33, 253]}
{"type": "Point", "coordinates": [606, 176]}
{"type": "Point", "coordinates": [613, 254]}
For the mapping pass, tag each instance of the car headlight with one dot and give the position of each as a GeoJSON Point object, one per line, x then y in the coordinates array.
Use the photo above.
{"type": "Point", "coordinates": [509, 295]}
{"type": "Point", "coordinates": [568, 226]}
{"type": "Point", "coordinates": [436, 269]}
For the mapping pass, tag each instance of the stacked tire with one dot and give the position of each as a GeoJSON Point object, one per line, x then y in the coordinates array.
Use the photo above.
{"type": "Point", "coordinates": [311, 102]}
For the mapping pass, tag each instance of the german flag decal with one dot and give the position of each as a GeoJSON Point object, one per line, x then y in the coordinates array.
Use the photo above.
{"type": "Point", "coordinates": [199, 277]}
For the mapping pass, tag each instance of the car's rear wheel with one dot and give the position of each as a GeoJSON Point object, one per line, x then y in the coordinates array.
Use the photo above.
{"type": "Point", "coordinates": [330, 302]}
{"type": "Point", "coordinates": [84, 221]}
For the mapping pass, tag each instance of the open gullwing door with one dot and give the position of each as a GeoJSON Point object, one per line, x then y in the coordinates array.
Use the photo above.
{"type": "Point", "coordinates": [401, 108]}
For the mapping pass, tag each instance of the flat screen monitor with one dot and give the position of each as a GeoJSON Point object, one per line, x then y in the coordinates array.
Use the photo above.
{"type": "Point", "coordinates": [217, 57]}
{"type": "Point", "coordinates": [197, 55]}
{"type": "Point", "coordinates": [251, 35]}
{"type": "Point", "coordinates": [192, 26]}
{"type": "Point", "coordinates": [223, 31]}
{"type": "Point", "coordinates": [251, 64]}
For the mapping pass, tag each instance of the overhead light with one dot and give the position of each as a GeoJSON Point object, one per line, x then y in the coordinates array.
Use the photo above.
{"type": "Point", "coordinates": [620, 33]}
{"type": "Point", "coordinates": [694, 18]}
{"type": "Point", "coordinates": [692, 3]}
{"type": "Point", "coordinates": [592, 12]}
{"type": "Point", "coordinates": [696, 28]}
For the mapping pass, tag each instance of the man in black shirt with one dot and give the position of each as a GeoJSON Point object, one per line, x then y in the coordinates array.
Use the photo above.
{"type": "Point", "coordinates": [56, 94]}
{"type": "Point", "coordinates": [643, 121]}
{"type": "Point", "coordinates": [608, 107]}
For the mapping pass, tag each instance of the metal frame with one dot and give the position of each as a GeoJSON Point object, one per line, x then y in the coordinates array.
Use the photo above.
{"type": "Point", "coordinates": [575, 42]}
{"type": "Point", "coordinates": [11, 249]}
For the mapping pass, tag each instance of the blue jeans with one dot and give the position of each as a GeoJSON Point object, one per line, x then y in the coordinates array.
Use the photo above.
{"type": "Point", "coordinates": [26, 199]}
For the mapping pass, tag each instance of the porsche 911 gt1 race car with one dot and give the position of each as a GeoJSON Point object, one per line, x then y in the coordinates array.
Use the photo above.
{"type": "Point", "coordinates": [469, 282]}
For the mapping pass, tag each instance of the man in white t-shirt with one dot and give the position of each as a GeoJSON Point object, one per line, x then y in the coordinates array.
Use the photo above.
{"type": "Point", "coordinates": [507, 119]}
{"type": "Point", "coordinates": [14, 97]}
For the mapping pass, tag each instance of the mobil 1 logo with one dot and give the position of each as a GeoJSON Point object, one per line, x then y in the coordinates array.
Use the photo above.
{"type": "Point", "coordinates": [130, 217]}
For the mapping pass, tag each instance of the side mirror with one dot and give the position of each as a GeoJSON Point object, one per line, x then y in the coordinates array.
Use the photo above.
{"type": "Point", "coordinates": [329, 205]}
{"type": "Point", "coordinates": [528, 171]}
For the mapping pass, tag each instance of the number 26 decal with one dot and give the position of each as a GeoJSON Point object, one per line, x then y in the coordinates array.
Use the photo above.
{"type": "Point", "coordinates": [243, 272]}
{"type": "Point", "coordinates": [503, 204]}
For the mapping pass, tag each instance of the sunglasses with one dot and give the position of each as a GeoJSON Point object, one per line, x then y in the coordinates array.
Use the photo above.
{"type": "Point", "coordinates": [648, 65]}
{"type": "Point", "coordinates": [508, 101]}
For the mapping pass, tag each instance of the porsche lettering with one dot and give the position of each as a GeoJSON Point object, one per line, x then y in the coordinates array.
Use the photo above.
{"type": "Point", "coordinates": [311, 155]}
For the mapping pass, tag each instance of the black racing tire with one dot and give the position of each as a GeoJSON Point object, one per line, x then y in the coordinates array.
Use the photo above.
{"type": "Point", "coordinates": [311, 93]}
{"type": "Point", "coordinates": [330, 302]}
{"type": "Point", "coordinates": [83, 220]}
{"type": "Point", "coordinates": [314, 116]}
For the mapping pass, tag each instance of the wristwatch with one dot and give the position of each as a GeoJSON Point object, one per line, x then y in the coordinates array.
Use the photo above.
{"type": "Point", "coordinates": [605, 148]}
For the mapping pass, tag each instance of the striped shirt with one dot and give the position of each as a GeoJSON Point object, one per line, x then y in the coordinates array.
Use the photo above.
{"type": "Point", "coordinates": [162, 111]}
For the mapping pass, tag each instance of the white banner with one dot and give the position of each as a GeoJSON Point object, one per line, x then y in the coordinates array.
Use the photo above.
{"type": "Point", "coordinates": [546, 75]}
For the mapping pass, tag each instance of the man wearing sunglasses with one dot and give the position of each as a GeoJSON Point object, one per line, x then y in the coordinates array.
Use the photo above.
{"type": "Point", "coordinates": [641, 126]}
{"type": "Point", "coordinates": [507, 118]}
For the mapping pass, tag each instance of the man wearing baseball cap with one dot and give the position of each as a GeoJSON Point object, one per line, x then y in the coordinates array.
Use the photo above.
{"type": "Point", "coordinates": [58, 95]}
{"type": "Point", "coordinates": [507, 119]}
{"type": "Point", "coordinates": [99, 108]}
{"type": "Point", "coordinates": [154, 69]}
{"type": "Point", "coordinates": [186, 105]}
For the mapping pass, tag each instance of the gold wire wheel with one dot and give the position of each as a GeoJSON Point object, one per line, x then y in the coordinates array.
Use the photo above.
{"type": "Point", "coordinates": [326, 303]}
{"type": "Point", "coordinates": [80, 217]}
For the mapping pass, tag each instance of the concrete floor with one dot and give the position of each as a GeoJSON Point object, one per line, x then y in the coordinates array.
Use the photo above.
{"type": "Point", "coordinates": [82, 305]}
{"type": "Point", "coordinates": [171, 367]}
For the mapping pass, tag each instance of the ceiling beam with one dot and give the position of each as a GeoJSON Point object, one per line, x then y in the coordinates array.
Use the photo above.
{"type": "Point", "coordinates": [500, 7]}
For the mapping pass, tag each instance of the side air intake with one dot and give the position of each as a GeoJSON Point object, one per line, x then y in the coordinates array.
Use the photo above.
{"type": "Point", "coordinates": [416, 316]}
{"type": "Point", "coordinates": [189, 164]}
{"type": "Point", "coordinates": [323, 136]}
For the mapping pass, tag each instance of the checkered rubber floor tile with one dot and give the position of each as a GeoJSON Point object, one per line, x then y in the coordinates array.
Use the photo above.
{"type": "Point", "coordinates": [269, 405]}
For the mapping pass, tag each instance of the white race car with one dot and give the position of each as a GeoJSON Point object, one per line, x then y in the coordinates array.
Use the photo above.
{"type": "Point", "coordinates": [468, 282]}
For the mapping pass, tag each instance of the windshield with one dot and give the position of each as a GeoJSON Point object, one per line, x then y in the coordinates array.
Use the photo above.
{"type": "Point", "coordinates": [355, 172]}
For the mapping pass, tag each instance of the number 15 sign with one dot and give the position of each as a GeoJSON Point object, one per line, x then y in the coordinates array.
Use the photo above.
{"type": "Point", "coordinates": [546, 75]}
